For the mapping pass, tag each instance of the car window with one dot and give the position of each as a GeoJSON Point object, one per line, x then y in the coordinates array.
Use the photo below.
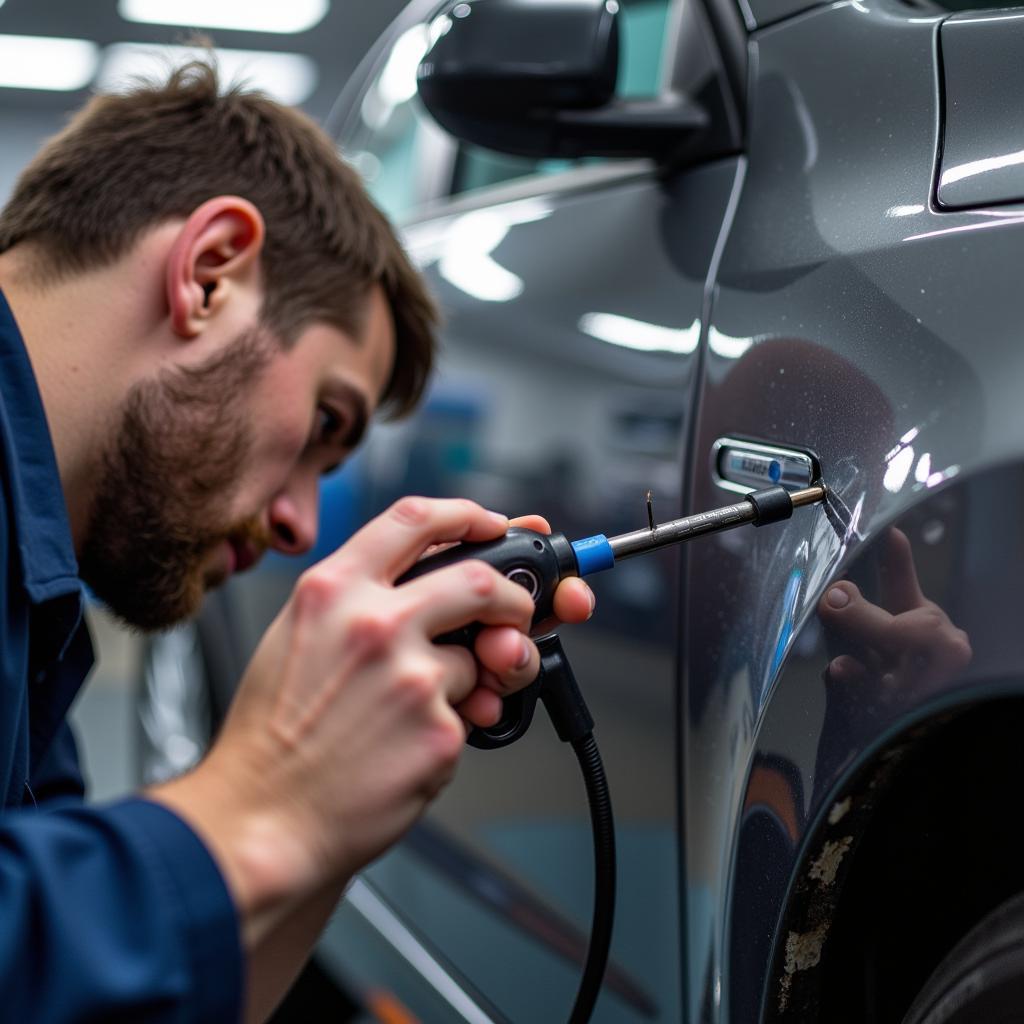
{"type": "Point", "coordinates": [407, 160]}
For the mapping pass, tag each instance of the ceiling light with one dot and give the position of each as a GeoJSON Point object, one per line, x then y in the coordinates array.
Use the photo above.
{"type": "Point", "coordinates": [45, 62]}
{"type": "Point", "coordinates": [290, 17]}
{"type": "Point", "coordinates": [289, 78]}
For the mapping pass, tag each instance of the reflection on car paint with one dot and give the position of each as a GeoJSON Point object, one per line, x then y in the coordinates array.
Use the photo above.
{"type": "Point", "coordinates": [785, 631]}
{"type": "Point", "coordinates": [911, 639]}
{"type": "Point", "coordinates": [463, 248]}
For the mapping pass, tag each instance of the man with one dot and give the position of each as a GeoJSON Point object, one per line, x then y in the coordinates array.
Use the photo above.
{"type": "Point", "coordinates": [201, 312]}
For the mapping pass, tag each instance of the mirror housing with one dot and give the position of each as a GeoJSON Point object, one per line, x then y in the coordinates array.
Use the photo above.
{"type": "Point", "coordinates": [536, 78]}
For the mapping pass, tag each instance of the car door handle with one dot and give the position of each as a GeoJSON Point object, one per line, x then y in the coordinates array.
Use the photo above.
{"type": "Point", "coordinates": [743, 466]}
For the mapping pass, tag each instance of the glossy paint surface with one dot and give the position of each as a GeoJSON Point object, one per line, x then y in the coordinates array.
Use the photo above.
{"type": "Point", "coordinates": [760, 13]}
{"type": "Point", "coordinates": [932, 632]}
{"type": "Point", "coordinates": [856, 320]}
{"type": "Point", "coordinates": [983, 135]}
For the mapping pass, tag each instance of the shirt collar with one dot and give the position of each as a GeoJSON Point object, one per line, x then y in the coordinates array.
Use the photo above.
{"type": "Point", "coordinates": [41, 529]}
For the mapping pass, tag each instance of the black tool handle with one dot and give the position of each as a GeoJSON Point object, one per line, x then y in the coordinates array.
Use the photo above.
{"type": "Point", "coordinates": [536, 561]}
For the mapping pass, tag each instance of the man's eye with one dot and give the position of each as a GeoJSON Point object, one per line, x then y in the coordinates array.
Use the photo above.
{"type": "Point", "coordinates": [328, 426]}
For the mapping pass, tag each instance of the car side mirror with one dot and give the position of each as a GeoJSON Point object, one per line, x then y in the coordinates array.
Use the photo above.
{"type": "Point", "coordinates": [537, 78]}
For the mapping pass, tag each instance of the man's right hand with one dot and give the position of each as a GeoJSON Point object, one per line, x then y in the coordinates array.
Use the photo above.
{"type": "Point", "coordinates": [344, 726]}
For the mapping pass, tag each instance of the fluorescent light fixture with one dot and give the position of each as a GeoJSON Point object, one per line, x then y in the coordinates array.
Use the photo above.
{"type": "Point", "coordinates": [246, 15]}
{"type": "Point", "coordinates": [289, 78]}
{"type": "Point", "coordinates": [640, 335]}
{"type": "Point", "coordinates": [46, 62]}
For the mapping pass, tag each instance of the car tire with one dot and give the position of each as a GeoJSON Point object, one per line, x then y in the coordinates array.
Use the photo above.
{"type": "Point", "coordinates": [982, 977]}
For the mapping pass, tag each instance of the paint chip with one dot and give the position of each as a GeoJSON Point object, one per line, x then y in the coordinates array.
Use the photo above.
{"type": "Point", "coordinates": [839, 810]}
{"type": "Point", "coordinates": [825, 867]}
{"type": "Point", "coordinates": [803, 951]}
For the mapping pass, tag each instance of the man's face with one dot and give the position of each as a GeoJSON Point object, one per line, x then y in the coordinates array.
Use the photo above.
{"type": "Point", "coordinates": [214, 463]}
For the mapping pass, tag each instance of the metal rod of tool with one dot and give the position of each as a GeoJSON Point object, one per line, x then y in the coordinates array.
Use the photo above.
{"type": "Point", "coordinates": [808, 496]}
{"type": "Point", "coordinates": [625, 545]}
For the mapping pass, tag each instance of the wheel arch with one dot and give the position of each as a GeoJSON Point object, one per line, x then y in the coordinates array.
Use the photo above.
{"type": "Point", "coordinates": [916, 845]}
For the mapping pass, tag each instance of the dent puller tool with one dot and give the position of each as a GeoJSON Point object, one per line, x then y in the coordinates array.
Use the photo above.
{"type": "Point", "coordinates": [770, 505]}
{"type": "Point", "coordinates": [539, 562]}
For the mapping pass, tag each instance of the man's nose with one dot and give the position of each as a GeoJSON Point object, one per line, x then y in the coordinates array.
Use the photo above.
{"type": "Point", "coordinates": [294, 515]}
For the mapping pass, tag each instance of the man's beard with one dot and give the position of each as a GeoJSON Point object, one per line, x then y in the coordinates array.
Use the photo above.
{"type": "Point", "coordinates": [170, 472]}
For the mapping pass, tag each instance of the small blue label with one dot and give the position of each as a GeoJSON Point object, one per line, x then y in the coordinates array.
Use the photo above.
{"type": "Point", "coordinates": [593, 554]}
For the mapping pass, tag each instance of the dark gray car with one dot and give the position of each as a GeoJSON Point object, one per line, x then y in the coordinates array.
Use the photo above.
{"type": "Point", "coordinates": [792, 245]}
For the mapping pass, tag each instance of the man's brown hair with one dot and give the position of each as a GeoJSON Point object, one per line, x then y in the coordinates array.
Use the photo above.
{"type": "Point", "coordinates": [130, 161]}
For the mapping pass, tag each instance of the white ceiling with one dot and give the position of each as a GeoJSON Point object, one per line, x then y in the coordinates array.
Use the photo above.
{"type": "Point", "coordinates": [27, 116]}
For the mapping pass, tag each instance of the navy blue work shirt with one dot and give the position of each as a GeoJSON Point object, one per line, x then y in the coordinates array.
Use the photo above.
{"type": "Point", "coordinates": [106, 913]}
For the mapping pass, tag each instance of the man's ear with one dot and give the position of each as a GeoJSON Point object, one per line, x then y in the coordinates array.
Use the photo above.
{"type": "Point", "coordinates": [217, 249]}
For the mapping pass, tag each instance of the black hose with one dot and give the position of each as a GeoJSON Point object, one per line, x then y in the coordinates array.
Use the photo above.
{"type": "Point", "coordinates": [604, 877]}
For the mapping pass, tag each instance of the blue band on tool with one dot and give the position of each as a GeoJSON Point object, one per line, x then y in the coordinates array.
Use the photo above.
{"type": "Point", "coordinates": [593, 554]}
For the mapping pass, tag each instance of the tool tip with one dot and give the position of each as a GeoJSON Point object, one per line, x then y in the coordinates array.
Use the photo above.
{"type": "Point", "coordinates": [809, 495]}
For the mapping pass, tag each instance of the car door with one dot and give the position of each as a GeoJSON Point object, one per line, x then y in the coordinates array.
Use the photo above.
{"type": "Point", "coordinates": [841, 776]}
